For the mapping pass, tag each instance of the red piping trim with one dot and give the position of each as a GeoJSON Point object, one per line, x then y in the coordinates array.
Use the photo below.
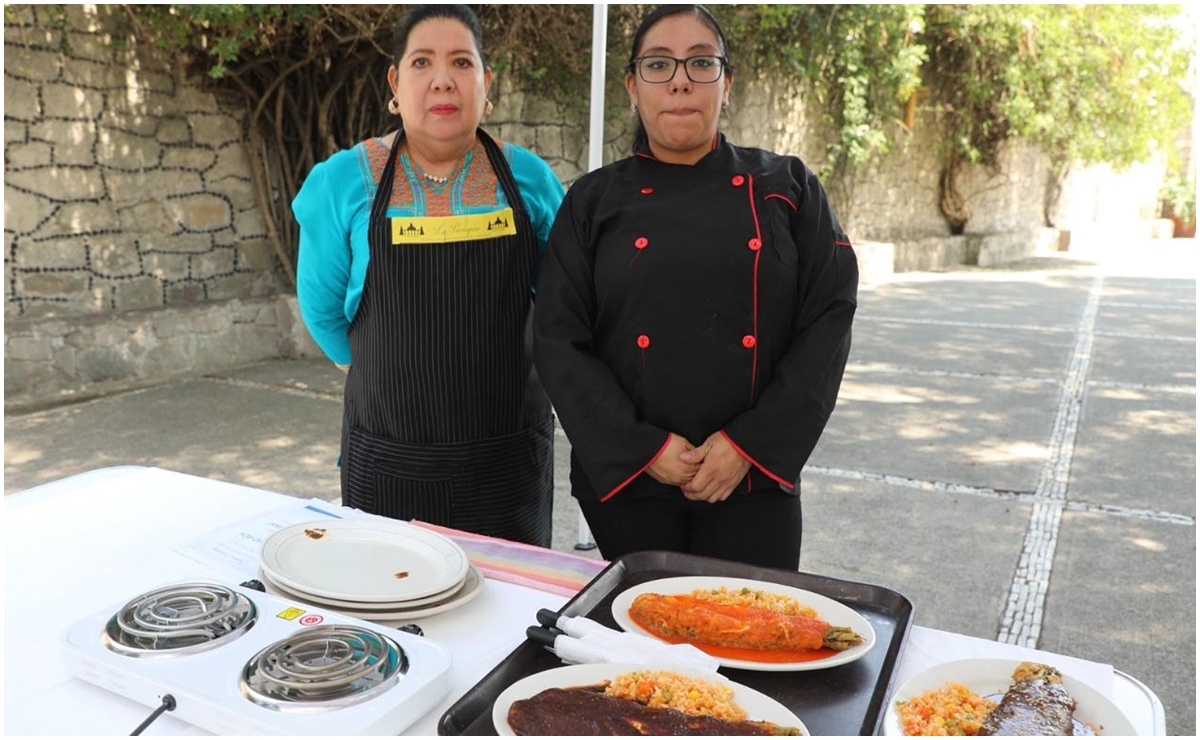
{"type": "Point", "coordinates": [714, 141]}
{"type": "Point", "coordinates": [647, 156]}
{"type": "Point", "coordinates": [756, 464]}
{"type": "Point", "coordinates": [785, 199]}
{"type": "Point", "coordinates": [757, 257]}
{"type": "Point", "coordinates": [657, 455]}
{"type": "Point", "coordinates": [843, 244]}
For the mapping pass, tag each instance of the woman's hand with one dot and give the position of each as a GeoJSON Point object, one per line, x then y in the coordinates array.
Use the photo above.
{"type": "Point", "coordinates": [721, 469]}
{"type": "Point", "coordinates": [670, 468]}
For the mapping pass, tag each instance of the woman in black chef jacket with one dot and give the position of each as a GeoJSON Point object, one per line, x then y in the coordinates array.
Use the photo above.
{"type": "Point", "coordinates": [693, 319]}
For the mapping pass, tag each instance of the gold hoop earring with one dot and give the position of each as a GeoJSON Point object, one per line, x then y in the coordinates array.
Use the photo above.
{"type": "Point", "coordinates": [488, 108]}
{"type": "Point", "coordinates": [394, 107]}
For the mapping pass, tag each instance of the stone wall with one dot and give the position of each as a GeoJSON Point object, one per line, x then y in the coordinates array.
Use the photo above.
{"type": "Point", "coordinates": [126, 191]}
{"type": "Point", "coordinates": [73, 357]}
{"type": "Point", "coordinates": [126, 187]}
{"type": "Point", "coordinates": [134, 247]}
{"type": "Point", "coordinates": [557, 132]}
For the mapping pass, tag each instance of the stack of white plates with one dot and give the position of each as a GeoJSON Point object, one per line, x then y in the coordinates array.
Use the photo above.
{"type": "Point", "coordinates": [374, 569]}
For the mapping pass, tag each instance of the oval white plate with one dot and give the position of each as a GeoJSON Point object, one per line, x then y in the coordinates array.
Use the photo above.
{"type": "Point", "coordinates": [758, 706]}
{"type": "Point", "coordinates": [987, 676]}
{"type": "Point", "coordinates": [340, 604]}
{"type": "Point", "coordinates": [360, 559]}
{"type": "Point", "coordinates": [472, 586]}
{"type": "Point", "coordinates": [831, 611]}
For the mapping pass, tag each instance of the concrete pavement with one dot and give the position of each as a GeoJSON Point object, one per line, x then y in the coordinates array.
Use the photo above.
{"type": "Point", "coordinates": [1014, 450]}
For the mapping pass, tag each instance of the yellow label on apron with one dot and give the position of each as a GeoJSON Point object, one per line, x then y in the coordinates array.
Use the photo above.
{"type": "Point", "coordinates": [441, 229]}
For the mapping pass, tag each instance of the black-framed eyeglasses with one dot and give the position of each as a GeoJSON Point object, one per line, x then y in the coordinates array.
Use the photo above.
{"type": "Point", "coordinates": [702, 69]}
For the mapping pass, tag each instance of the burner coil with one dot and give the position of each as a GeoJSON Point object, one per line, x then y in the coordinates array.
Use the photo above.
{"type": "Point", "coordinates": [179, 619]}
{"type": "Point", "coordinates": [323, 667]}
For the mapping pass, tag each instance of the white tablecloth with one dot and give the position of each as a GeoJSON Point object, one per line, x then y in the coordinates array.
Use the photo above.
{"type": "Point", "coordinates": [81, 544]}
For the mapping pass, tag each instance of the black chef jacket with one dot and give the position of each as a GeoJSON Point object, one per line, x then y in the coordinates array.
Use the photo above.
{"type": "Point", "coordinates": [692, 299]}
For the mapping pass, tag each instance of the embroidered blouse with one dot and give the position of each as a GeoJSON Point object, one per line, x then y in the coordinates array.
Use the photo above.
{"type": "Point", "coordinates": [333, 208]}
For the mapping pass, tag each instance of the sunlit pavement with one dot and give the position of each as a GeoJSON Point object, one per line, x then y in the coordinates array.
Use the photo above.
{"type": "Point", "coordinates": [1014, 450]}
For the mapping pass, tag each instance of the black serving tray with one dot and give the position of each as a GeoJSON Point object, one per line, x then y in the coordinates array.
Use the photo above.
{"type": "Point", "coordinates": [843, 700]}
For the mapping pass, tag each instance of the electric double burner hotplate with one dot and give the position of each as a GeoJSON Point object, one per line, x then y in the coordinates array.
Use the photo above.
{"type": "Point", "coordinates": [240, 662]}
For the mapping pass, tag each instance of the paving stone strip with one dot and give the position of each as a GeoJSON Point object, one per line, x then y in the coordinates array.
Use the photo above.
{"type": "Point", "coordinates": [1125, 511]}
{"type": "Point", "coordinates": [1022, 621]}
{"type": "Point", "coordinates": [1189, 307]}
{"type": "Point", "coordinates": [1146, 337]}
{"type": "Point", "coordinates": [921, 485]}
{"type": "Point", "coordinates": [1122, 386]}
{"type": "Point", "coordinates": [885, 369]}
{"type": "Point", "coordinates": [1025, 327]}
{"type": "Point", "coordinates": [969, 324]}
{"type": "Point", "coordinates": [936, 486]}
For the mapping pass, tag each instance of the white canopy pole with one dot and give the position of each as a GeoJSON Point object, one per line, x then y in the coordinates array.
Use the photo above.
{"type": "Point", "coordinates": [599, 51]}
{"type": "Point", "coordinates": [583, 539]}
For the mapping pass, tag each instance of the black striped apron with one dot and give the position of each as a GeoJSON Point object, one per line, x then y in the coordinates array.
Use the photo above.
{"type": "Point", "coordinates": [445, 420]}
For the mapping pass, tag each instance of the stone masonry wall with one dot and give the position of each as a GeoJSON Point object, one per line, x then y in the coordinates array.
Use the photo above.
{"type": "Point", "coordinates": [126, 187]}
{"type": "Point", "coordinates": [126, 190]}
{"type": "Point", "coordinates": [553, 130]}
{"type": "Point", "coordinates": [134, 248]}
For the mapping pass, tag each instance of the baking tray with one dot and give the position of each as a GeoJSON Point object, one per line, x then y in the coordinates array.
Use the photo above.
{"type": "Point", "coordinates": [843, 700]}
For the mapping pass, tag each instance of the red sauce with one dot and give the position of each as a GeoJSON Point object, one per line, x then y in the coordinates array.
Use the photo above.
{"type": "Point", "coordinates": [748, 654]}
{"type": "Point", "coordinates": [766, 656]}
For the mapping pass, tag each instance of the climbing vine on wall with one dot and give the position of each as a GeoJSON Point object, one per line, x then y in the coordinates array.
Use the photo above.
{"type": "Point", "coordinates": [1089, 83]}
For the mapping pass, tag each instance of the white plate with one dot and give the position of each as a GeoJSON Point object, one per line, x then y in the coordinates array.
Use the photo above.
{"type": "Point", "coordinates": [988, 676]}
{"type": "Point", "coordinates": [472, 586]}
{"type": "Point", "coordinates": [831, 611]}
{"type": "Point", "coordinates": [369, 605]}
{"type": "Point", "coordinates": [360, 560]}
{"type": "Point", "coordinates": [758, 706]}
{"type": "Point", "coordinates": [340, 604]}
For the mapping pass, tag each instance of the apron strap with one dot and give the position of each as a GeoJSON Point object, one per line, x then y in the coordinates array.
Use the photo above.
{"type": "Point", "coordinates": [379, 227]}
{"type": "Point", "coordinates": [504, 175]}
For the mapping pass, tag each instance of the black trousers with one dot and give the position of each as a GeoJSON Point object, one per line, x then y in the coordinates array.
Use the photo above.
{"type": "Point", "coordinates": [757, 528]}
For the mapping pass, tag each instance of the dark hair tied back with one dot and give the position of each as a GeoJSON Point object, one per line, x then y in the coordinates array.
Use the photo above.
{"type": "Point", "coordinates": [418, 13]}
{"type": "Point", "coordinates": [639, 37]}
{"type": "Point", "coordinates": [666, 11]}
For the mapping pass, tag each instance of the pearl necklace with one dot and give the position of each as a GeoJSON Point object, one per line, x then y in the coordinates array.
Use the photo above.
{"type": "Point", "coordinates": [437, 179]}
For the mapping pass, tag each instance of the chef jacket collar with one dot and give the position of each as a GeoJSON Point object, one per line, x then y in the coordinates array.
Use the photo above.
{"type": "Point", "coordinates": [641, 148]}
